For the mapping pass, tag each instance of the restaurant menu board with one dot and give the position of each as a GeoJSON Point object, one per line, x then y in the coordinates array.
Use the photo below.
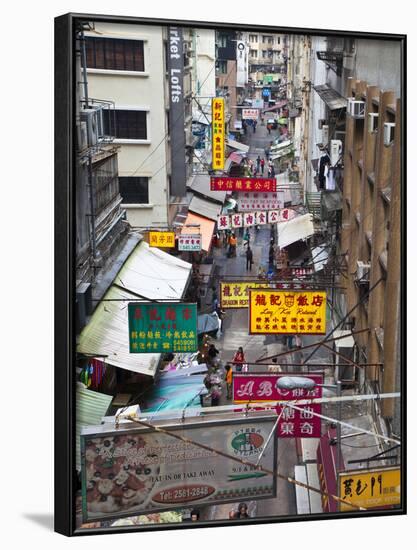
{"type": "Point", "coordinates": [287, 312]}
{"type": "Point", "coordinates": [132, 472]}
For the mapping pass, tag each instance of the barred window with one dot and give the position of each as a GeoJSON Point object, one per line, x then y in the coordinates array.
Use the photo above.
{"type": "Point", "coordinates": [128, 124]}
{"type": "Point", "coordinates": [115, 54]}
{"type": "Point", "coordinates": [134, 190]}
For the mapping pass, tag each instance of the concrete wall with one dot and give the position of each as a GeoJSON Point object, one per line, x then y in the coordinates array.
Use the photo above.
{"type": "Point", "coordinates": [142, 91]}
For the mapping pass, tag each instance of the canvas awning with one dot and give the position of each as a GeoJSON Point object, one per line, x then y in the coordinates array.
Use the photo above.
{"type": "Point", "coordinates": [148, 273]}
{"type": "Point", "coordinates": [208, 209]}
{"type": "Point", "coordinates": [91, 406]}
{"type": "Point", "coordinates": [295, 230]}
{"type": "Point", "coordinates": [276, 107]}
{"type": "Point", "coordinates": [233, 157]}
{"type": "Point", "coordinates": [237, 145]}
{"type": "Point", "coordinates": [331, 97]}
{"type": "Point", "coordinates": [206, 229]}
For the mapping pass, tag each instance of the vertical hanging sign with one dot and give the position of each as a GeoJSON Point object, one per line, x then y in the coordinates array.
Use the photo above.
{"type": "Point", "coordinates": [175, 61]}
{"type": "Point", "coordinates": [218, 144]}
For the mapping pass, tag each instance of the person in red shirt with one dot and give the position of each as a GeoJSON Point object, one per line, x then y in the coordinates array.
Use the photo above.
{"type": "Point", "coordinates": [239, 359]}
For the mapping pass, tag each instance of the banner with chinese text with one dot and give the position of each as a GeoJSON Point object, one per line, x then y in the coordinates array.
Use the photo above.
{"type": "Point", "coordinates": [258, 388]}
{"type": "Point", "coordinates": [189, 242]}
{"type": "Point", "coordinates": [235, 294]}
{"type": "Point", "coordinates": [287, 312]}
{"type": "Point", "coordinates": [370, 488]}
{"type": "Point", "coordinates": [260, 201]}
{"type": "Point", "coordinates": [250, 114]}
{"type": "Point", "coordinates": [225, 183]}
{"type": "Point", "coordinates": [162, 327]}
{"type": "Point", "coordinates": [162, 239]}
{"type": "Point", "coordinates": [218, 135]}
{"type": "Point", "coordinates": [249, 219]}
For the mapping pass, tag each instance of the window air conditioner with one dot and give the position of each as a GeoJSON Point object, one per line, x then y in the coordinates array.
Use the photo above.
{"type": "Point", "coordinates": [372, 122]}
{"type": "Point", "coordinates": [335, 151]}
{"type": "Point", "coordinates": [389, 131]}
{"type": "Point", "coordinates": [89, 116]}
{"type": "Point", "coordinates": [362, 272]}
{"type": "Point", "coordinates": [356, 109]}
{"type": "Point", "coordinates": [82, 138]}
{"type": "Point", "coordinates": [325, 134]}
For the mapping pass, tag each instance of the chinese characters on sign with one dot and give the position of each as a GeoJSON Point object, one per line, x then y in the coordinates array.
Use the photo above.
{"type": "Point", "coordinates": [236, 294]}
{"type": "Point", "coordinates": [370, 488]}
{"type": "Point", "coordinates": [249, 219]}
{"type": "Point", "coordinates": [262, 185]}
{"type": "Point", "coordinates": [162, 239]}
{"type": "Point", "coordinates": [189, 242]}
{"type": "Point", "coordinates": [260, 201]}
{"type": "Point", "coordinates": [258, 388]}
{"type": "Point", "coordinates": [217, 109]}
{"type": "Point", "coordinates": [251, 114]}
{"type": "Point", "coordinates": [287, 312]}
{"type": "Point", "coordinates": [162, 328]}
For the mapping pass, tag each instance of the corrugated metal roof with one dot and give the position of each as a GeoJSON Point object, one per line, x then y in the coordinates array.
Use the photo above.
{"type": "Point", "coordinates": [201, 185]}
{"type": "Point", "coordinates": [295, 230]}
{"type": "Point", "coordinates": [150, 273]}
{"type": "Point", "coordinates": [331, 97]}
{"type": "Point", "coordinates": [91, 407]}
{"type": "Point", "coordinates": [205, 208]}
{"type": "Point", "coordinates": [237, 145]}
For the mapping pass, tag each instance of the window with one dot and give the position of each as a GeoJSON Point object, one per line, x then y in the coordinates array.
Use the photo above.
{"type": "Point", "coordinates": [222, 41]}
{"type": "Point", "coordinates": [134, 190]}
{"type": "Point", "coordinates": [253, 38]}
{"type": "Point", "coordinates": [264, 53]}
{"type": "Point", "coordinates": [114, 54]}
{"type": "Point", "coordinates": [278, 40]}
{"type": "Point", "coordinates": [222, 66]}
{"type": "Point", "coordinates": [270, 40]}
{"type": "Point", "coordinates": [128, 124]}
{"type": "Point", "coordinates": [253, 53]}
{"type": "Point", "coordinates": [267, 39]}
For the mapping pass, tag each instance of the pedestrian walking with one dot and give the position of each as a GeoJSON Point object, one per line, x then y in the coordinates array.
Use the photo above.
{"type": "Point", "coordinates": [229, 381]}
{"type": "Point", "coordinates": [249, 258]}
{"type": "Point", "coordinates": [239, 359]}
{"type": "Point", "coordinates": [271, 255]}
{"type": "Point", "coordinates": [214, 298]}
{"type": "Point", "coordinates": [267, 153]}
{"type": "Point", "coordinates": [269, 128]}
{"type": "Point", "coordinates": [215, 395]}
{"type": "Point", "coordinates": [272, 171]}
{"type": "Point", "coordinates": [258, 162]}
{"type": "Point", "coordinates": [246, 237]}
{"type": "Point", "coordinates": [212, 354]}
{"type": "Point", "coordinates": [262, 166]}
{"type": "Point", "coordinates": [242, 511]}
{"type": "Point", "coordinates": [232, 245]}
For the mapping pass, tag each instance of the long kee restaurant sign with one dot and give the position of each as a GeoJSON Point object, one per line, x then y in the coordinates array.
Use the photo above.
{"type": "Point", "coordinates": [287, 312]}
{"type": "Point", "coordinates": [264, 185]}
{"type": "Point", "coordinates": [259, 388]}
{"type": "Point", "coordinates": [162, 327]}
{"type": "Point", "coordinates": [132, 472]}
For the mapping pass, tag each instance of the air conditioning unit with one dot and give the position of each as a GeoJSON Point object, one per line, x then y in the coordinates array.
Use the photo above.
{"type": "Point", "coordinates": [335, 151]}
{"type": "Point", "coordinates": [322, 121]}
{"type": "Point", "coordinates": [373, 122]}
{"type": "Point", "coordinates": [325, 134]}
{"type": "Point", "coordinates": [89, 117]}
{"type": "Point", "coordinates": [362, 272]}
{"type": "Point", "coordinates": [389, 131]}
{"type": "Point", "coordinates": [356, 108]}
{"type": "Point", "coordinates": [82, 137]}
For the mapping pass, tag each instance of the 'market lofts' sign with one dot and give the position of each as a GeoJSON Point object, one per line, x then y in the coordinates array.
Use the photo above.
{"type": "Point", "coordinates": [175, 60]}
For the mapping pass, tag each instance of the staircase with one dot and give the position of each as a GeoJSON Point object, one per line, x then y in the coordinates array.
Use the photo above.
{"type": "Point", "coordinates": [313, 203]}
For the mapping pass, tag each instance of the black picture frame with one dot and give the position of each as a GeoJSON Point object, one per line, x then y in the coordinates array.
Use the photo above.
{"type": "Point", "coordinates": [65, 480]}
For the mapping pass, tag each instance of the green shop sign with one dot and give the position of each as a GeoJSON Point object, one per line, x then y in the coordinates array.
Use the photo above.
{"type": "Point", "coordinates": [162, 328]}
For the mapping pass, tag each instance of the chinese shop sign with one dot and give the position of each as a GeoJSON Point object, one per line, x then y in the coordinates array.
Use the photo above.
{"type": "Point", "coordinates": [224, 183]}
{"type": "Point", "coordinates": [218, 137]}
{"type": "Point", "coordinates": [260, 201]}
{"type": "Point", "coordinates": [370, 488]}
{"type": "Point", "coordinates": [189, 242]}
{"type": "Point", "coordinates": [258, 388]}
{"type": "Point", "coordinates": [287, 312]}
{"type": "Point", "coordinates": [162, 239]}
{"type": "Point", "coordinates": [137, 471]}
{"type": "Point", "coordinates": [236, 294]}
{"type": "Point", "coordinates": [162, 327]}
{"type": "Point", "coordinates": [251, 114]}
{"type": "Point", "coordinates": [249, 219]}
